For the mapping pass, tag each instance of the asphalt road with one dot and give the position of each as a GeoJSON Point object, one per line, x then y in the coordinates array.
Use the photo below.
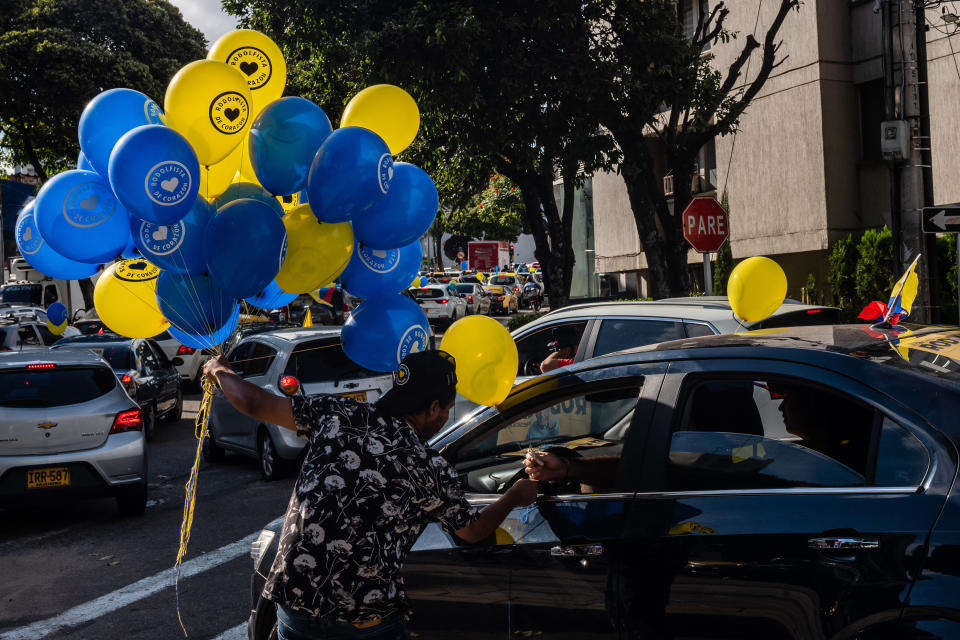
{"type": "Point", "coordinates": [79, 570]}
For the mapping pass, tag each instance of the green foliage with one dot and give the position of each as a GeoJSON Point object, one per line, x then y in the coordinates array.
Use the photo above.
{"type": "Point", "coordinates": [874, 276]}
{"type": "Point", "coordinates": [55, 55]}
{"type": "Point", "coordinates": [841, 276]}
{"type": "Point", "coordinates": [814, 295]}
{"type": "Point", "coordinates": [496, 213]}
{"type": "Point", "coordinates": [722, 267]}
{"type": "Point", "coordinates": [947, 267]}
{"type": "Point", "coordinates": [521, 319]}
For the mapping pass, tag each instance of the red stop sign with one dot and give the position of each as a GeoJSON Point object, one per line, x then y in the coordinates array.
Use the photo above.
{"type": "Point", "coordinates": [705, 224]}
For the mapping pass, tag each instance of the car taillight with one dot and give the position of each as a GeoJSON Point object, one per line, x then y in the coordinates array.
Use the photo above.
{"type": "Point", "coordinates": [184, 350]}
{"type": "Point", "coordinates": [127, 421]}
{"type": "Point", "coordinates": [814, 310]}
{"type": "Point", "coordinates": [45, 365]}
{"type": "Point", "coordinates": [289, 385]}
{"type": "Point", "coordinates": [470, 299]}
{"type": "Point", "coordinates": [129, 384]}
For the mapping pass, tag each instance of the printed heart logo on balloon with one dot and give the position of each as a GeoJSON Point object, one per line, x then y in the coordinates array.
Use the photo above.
{"type": "Point", "coordinates": [248, 68]}
{"type": "Point", "coordinates": [231, 114]}
{"type": "Point", "coordinates": [90, 203]}
{"type": "Point", "coordinates": [160, 234]}
{"type": "Point", "coordinates": [137, 266]}
{"type": "Point", "coordinates": [170, 184]}
{"type": "Point", "coordinates": [28, 234]}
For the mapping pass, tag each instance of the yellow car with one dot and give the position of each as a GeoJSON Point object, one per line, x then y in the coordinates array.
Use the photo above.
{"type": "Point", "coordinates": [504, 297]}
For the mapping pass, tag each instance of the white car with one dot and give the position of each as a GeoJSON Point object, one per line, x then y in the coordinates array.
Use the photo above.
{"type": "Point", "coordinates": [193, 359]}
{"type": "Point", "coordinates": [442, 307]}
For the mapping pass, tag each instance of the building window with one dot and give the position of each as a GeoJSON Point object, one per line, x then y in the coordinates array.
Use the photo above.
{"type": "Point", "coordinates": [691, 12]}
{"type": "Point", "coordinates": [870, 97]}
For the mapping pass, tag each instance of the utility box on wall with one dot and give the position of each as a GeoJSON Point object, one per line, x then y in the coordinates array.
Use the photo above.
{"type": "Point", "coordinates": [895, 140]}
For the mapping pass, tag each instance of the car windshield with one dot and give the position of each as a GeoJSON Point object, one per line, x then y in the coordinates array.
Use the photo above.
{"type": "Point", "coordinates": [465, 288]}
{"type": "Point", "coordinates": [119, 357]}
{"type": "Point", "coordinates": [428, 293]}
{"type": "Point", "coordinates": [22, 294]}
{"type": "Point", "coordinates": [502, 280]}
{"type": "Point", "coordinates": [322, 361]}
{"type": "Point", "coordinates": [56, 387]}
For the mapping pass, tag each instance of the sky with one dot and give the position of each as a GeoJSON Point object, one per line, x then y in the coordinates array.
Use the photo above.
{"type": "Point", "coordinates": [206, 15]}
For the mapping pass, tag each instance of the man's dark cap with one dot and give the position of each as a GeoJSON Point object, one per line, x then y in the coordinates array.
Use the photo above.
{"type": "Point", "coordinates": [566, 336]}
{"type": "Point", "coordinates": [420, 376]}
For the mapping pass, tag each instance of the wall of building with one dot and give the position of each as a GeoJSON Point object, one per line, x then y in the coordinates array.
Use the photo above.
{"type": "Point", "coordinates": [944, 91]}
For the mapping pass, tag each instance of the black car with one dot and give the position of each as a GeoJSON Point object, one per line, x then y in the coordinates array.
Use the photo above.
{"type": "Point", "coordinates": [149, 377]}
{"type": "Point", "coordinates": [788, 483]}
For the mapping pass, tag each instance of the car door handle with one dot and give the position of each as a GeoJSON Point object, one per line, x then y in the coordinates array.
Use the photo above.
{"type": "Point", "coordinates": [351, 385]}
{"type": "Point", "coordinates": [842, 543]}
{"type": "Point", "coordinates": [577, 550]}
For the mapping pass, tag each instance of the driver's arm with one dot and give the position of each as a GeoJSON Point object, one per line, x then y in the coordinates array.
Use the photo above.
{"type": "Point", "coordinates": [550, 362]}
{"type": "Point", "coordinates": [596, 473]}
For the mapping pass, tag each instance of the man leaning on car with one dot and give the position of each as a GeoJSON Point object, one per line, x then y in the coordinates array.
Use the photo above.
{"type": "Point", "coordinates": [367, 487]}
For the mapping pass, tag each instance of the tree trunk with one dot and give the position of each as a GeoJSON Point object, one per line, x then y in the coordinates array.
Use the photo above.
{"type": "Point", "coordinates": [34, 159]}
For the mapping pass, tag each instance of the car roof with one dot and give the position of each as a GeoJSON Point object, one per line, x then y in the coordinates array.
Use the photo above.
{"type": "Point", "coordinates": [299, 334]}
{"type": "Point", "coordinates": [44, 356]}
{"type": "Point", "coordinates": [105, 338]}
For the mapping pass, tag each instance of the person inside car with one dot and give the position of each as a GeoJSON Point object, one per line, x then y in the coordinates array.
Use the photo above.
{"type": "Point", "coordinates": [563, 349]}
{"type": "Point", "coordinates": [367, 487]}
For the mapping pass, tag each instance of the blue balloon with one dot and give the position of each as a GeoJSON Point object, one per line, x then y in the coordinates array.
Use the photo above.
{"type": "Point", "coordinates": [464, 265]}
{"type": "Point", "coordinates": [272, 297]}
{"type": "Point", "coordinates": [155, 174]}
{"type": "Point", "coordinates": [130, 251]}
{"type": "Point", "coordinates": [40, 256]}
{"type": "Point", "coordinates": [283, 141]}
{"type": "Point", "coordinates": [376, 272]}
{"type": "Point", "coordinates": [250, 191]}
{"type": "Point", "coordinates": [79, 216]}
{"type": "Point", "coordinates": [57, 314]}
{"type": "Point", "coordinates": [383, 330]}
{"type": "Point", "coordinates": [193, 304]}
{"type": "Point", "coordinates": [208, 340]}
{"type": "Point", "coordinates": [177, 247]}
{"type": "Point", "coordinates": [245, 246]}
{"type": "Point", "coordinates": [404, 214]}
{"type": "Point", "coordinates": [350, 174]}
{"type": "Point", "coordinates": [83, 164]}
{"type": "Point", "coordinates": [110, 115]}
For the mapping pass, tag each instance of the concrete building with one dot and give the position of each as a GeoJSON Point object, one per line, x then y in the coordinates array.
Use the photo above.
{"type": "Point", "coordinates": [805, 168]}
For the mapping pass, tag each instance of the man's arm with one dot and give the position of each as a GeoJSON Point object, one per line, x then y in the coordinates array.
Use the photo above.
{"type": "Point", "coordinates": [522, 493]}
{"type": "Point", "coordinates": [594, 473]}
{"type": "Point", "coordinates": [248, 398]}
{"type": "Point", "coordinates": [550, 362]}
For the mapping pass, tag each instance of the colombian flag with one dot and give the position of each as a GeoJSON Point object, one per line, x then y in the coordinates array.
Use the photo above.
{"type": "Point", "coordinates": [903, 294]}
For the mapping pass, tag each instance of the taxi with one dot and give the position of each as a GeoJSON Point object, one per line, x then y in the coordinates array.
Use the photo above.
{"type": "Point", "coordinates": [504, 290]}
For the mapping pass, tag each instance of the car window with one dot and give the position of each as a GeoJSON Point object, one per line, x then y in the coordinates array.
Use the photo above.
{"type": "Point", "coordinates": [119, 357]}
{"type": "Point", "coordinates": [533, 347]}
{"type": "Point", "coordinates": [50, 295]}
{"type": "Point", "coordinates": [147, 360]}
{"type": "Point", "coordinates": [902, 460]}
{"type": "Point", "coordinates": [426, 294]}
{"type": "Point", "coordinates": [502, 280]}
{"type": "Point", "coordinates": [56, 387]}
{"type": "Point", "coordinates": [45, 335]}
{"type": "Point", "coordinates": [696, 329]}
{"type": "Point", "coordinates": [465, 288]}
{"type": "Point", "coordinates": [260, 358]}
{"type": "Point", "coordinates": [743, 434]}
{"type": "Point", "coordinates": [239, 358]}
{"type": "Point", "coordinates": [323, 361]}
{"type": "Point", "coordinates": [159, 355]}
{"type": "Point", "coordinates": [623, 333]}
{"type": "Point", "coordinates": [587, 424]}
{"type": "Point", "coordinates": [28, 336]}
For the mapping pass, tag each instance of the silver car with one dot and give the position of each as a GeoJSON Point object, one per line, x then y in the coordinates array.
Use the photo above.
{"type": "Point", "coordinates": [285, 362]}
{"type": "Point", "coordinates": [68, 428]}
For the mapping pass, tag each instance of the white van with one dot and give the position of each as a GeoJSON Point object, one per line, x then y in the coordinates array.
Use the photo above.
{"type": "Point", "coordinates": [24, 285]}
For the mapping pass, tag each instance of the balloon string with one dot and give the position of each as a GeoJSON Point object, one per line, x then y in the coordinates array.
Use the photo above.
{"type": "Point", "coordinates": [186, 525]}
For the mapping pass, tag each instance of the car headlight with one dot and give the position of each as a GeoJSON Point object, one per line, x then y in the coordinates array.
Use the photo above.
{"type": "Point", "coordinates": [259, 546]}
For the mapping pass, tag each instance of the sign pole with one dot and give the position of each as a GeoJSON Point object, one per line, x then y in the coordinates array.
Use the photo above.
{"type": "Point", "coordinates": [708, 275]}
{"type": "Point", "coordinates": [958, 268]}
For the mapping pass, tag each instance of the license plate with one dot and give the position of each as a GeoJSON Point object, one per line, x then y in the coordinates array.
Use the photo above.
{"type": "Point", "coordinates": [50, 477]}
{"type": "Point", "coordinates": [359, 396]}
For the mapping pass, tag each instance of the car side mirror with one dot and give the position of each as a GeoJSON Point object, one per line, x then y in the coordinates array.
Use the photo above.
{"type": "Point", "coordinates": [177, 361]}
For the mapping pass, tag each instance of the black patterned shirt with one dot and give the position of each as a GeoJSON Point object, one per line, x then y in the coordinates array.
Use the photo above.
{"type": "Point", "coordinates": [367, 488]}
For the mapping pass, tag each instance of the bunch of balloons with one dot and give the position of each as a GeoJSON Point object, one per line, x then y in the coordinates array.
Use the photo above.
{"type": "Point", "coordinates": [232, 192]}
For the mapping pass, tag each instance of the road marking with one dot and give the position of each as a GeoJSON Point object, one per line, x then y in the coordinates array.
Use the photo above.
{"type": "Point", "coordinates": [239, 632]}
{"type": "Point", "coordinates": [132, 592]}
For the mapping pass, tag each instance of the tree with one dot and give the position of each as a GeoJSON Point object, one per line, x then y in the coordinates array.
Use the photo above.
{"type": "Point", "coordinates": [499, 84]}
{"type": "Point", "coordinates": [662, 101]}
{"type": "Point", "coordinates": [55, 55]}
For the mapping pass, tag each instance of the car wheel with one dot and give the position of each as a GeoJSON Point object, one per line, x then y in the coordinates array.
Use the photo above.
{"type": "Point", "coordinates": [132, 501]}
{"type": "Point", "coordinates": [177, 411]}
{"type": "Point", "coordinates": [271, 467]}
{"type": "Point", "coordinates": [212, 452]}
{"type": "Point", "coordinates": [149, 414]}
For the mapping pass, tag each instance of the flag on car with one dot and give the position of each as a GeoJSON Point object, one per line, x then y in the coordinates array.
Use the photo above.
{"type": "Point", "coordinates": [903, 294]}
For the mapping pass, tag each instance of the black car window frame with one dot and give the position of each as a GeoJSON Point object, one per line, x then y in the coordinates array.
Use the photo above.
{"type": "Point", "coordinates": [238, 357]}
{"type": "Point", "coordinates": [162, 361]}
{"type": "Point", "coordinates": [692, 379]}
{"type": "Point", "coordinates": [260, 358]}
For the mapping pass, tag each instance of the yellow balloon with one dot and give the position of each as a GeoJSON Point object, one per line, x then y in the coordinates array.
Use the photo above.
{"type": "Point", "coordinates": [125, 297]}
{"type": "Point", "coordinates": [317, 252]}
{"type": "Point", "coordinates": [56, 329]}
{"type": "Point", "coordinates": [260, 61]}
{"type": "Point", "coordinates": [756, 288]}
{"type": "Point", "coordinates": [388, 111]}
{"type": "Point", "coordinates": [486, 358]}
{"type": "Point", "coordinates": [209, 104]}
{"type": "Point", "coordinates": [291, 202]}
{"type": "Point", "coordinates": [215, 179]}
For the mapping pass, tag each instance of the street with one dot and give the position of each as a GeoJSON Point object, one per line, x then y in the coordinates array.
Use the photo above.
{"type": "Point", "coordinates": [79, 570]}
